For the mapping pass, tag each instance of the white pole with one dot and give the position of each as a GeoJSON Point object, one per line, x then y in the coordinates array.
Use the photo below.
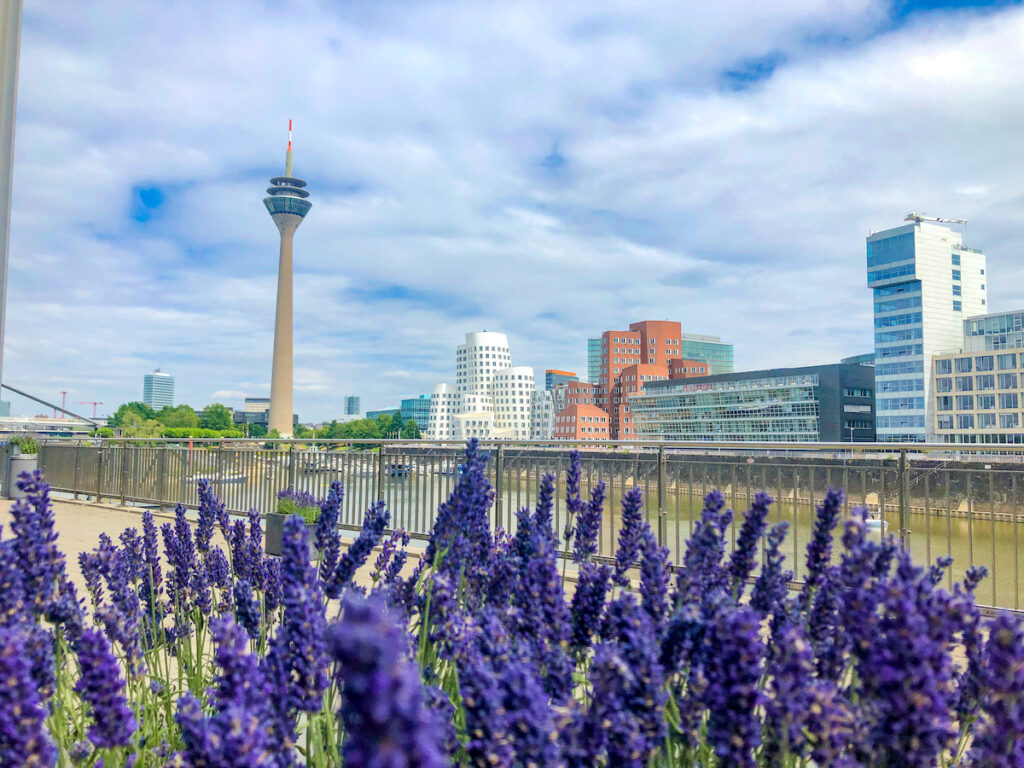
{"type": "Point", "coordinates": [10, 42]}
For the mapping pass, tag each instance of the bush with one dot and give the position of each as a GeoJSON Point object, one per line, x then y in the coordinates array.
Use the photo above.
{"type": "Point", "coordinates": [193, 656]}
{"type": "Point", "coordinates": [300, 503]}
{"type": "Point", "coordinates": [199, 432]}
{"type": "Point", "coordinates": [27, 444]}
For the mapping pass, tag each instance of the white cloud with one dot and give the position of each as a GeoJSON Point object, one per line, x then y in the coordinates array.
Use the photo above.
{"type": "Point", "coordinates": [423, 135]}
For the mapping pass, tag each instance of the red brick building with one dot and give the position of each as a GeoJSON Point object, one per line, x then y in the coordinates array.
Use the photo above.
{"type": "Point", "coordinates": [579, 423]}
{"type": "Point", "coordinates": [648, 351]}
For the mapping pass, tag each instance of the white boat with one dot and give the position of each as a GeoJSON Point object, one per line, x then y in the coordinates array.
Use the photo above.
{"type": "Point", "coordinates": [873, 521]}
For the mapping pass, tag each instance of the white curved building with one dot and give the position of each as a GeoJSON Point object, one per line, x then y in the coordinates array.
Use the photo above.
{"type": "Point", "coordinates": [490, 399]}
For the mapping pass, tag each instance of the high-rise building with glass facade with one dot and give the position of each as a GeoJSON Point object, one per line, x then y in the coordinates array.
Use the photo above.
{"type": "Point", "coordinates": [925, 281]}
{"type": "Point", "coordinates": [417, 409]}
{"type": "Point", "coordinates": [554, 378]}
{"type": "Point", "coordinates": [158, 390]}
{"type": "Point", "coordinates": [593, 361]}
{"type": "Point", "coordinates": [716, 353]}
{"type": "Point", "coordinates": [352, 405]}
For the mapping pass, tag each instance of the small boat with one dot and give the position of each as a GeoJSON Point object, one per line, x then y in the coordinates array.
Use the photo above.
{"type": "Point", "coordinates": [873, 521]}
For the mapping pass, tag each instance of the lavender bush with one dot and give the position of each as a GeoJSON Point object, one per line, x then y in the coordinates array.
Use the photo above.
{"type": "Point", "coordinates": [484, 654]}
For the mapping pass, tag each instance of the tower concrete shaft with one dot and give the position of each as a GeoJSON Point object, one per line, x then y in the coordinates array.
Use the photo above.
{"type": "Point", "coordinates": [287, 205]}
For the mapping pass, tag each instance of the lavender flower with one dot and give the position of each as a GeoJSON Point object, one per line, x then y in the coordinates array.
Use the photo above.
{"type": "Point", "coordinates": [769, 593]}
{"type": "Point", "coordinates": [41, 563]}
{"type": "Point", "coordinates": [383, 564]}
{"type": "Point", "coordinates": [819, 549]}
{"type": "Point", "coordinates": [743, 559]}
{"type": "Point", "coordinates": [24, 740]}
{"type": "Point", "coordinates": [733, 670]}
{"type": "Point", "coordinates": [247, 609]}
{"type": "Point", "coordinates": [152, 574]}
{"type": "Point", "coordinates": [791, 674]}
{"type": "Point", "coordinates": [588, 526]}
{"type": "Point", "coordinates": [387, 724]}
{"type": "Point", "coordinates": [653, 576]}
{"type": "Point", "coordinates": [12, 588]}
{"type": "Point", "coordinates": [969, 684]}
{"type": "Point", "coordinates": [441, 707]}
{"type": "Point", "coordinates": [297, 659]}
{"type": "Point", "coordinates": [703, 576]}
{"type": "Point", "coordinates": [102, 688]}
{"type": "Point", "coordinates": [487, 726]}
{"type": "Point", "coordinates": [327, 539]}
{"type": "Point", "coordinates": [588, 604]}
{"type": "Point", "coordinates": [573, 503]}
{"type": "Point", "coordinates": [376, 520]}
{"type": "Point", "coordinates": [271, 570]}
{"type": "Point", "coordinates": [254, 550]}
{"type": "Point", "coordinates": [614, 726]}
{"type": "Point", "coordinates": [631, 534]}
{"type": "Point", "coordinates": [209, 506]}
{"type": "Point", "coordinates": [530, 719]}
{"type": "Point", "coordinates": [999, 733]}
{"type": "Point", "coordinates": [237, 734]}
{"type": "Point", "coordinates": [503, 572]}
{"type": "Point", "coordinates": [545, 504]}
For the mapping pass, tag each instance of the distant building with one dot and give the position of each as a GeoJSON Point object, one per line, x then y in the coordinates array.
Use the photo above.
{"type": "Point", "coordinates": [351, 405]}
{"type": "Point", "coordinates": [418, 409]}
{"type": "Point", "coordinates": [977, 390]}
{"type": "Point", "coordinates": [594, 360]}
{"type": "Point", "coordinates": [383, 412]}
{"type": "Point", "coordinates": [553, 378]}
{"type": "Point", "coordinates": [581, 423]}
{"type": "Point", "coordinates": [491, 397]}
{"type": "Point", "coordinates": [865, 359]}
{"type": "Point", "coordinates": [158, 390]}
{"type": "Point", "coordinates": [925, 282]}
{"type": "Point", "coordinates": [256, 404]}
{"type": "Point", "coordinates": [821, 403]}
{"type": "Point", "coordinates": [44, 426]}
{"type": "Point", "coordinates": [716, 353]}
{"type": "Point", "coordinates": [542, 413]}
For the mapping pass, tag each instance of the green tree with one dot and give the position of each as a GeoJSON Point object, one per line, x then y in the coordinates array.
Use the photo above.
{"type": "Point", "coordinates": [178, 416]}
{"type": "Point", "coordinates": [216, 416]}
{"type": "Point", "coordinates": [257, 430]}
{"type": "Point", "coordinates": [303, 432]}
{"type": "Point", "coordinates": [411, 430]}
{"type": "Point", "coordinates": [140, 409]}
{"type": "Point", "coordinates": [133, 425]}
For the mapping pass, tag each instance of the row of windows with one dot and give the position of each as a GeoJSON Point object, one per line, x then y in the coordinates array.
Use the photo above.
{"type": "Point", "coordinates": [900, 385]}
{"type": "Point", "coordinates": [893, 321]}
{"type": "Point", "coordinates": [1007, 401]}
{"type": "Point", "coordinates": [904, 334]}
{"type": "Point", "coordinates": [896, 248]}
{"type": "Point", "coordinates": [902, 270]}
{"type": "Point", "coordinates": [903, 289]}
{"type": "Point", "coordinates": [1004, 362]}
{"type": "Point", "coordinates": [892, 369]}
{"type": "Point", "coordinates": [996, 324]}
{"type": "Point", "coordinates": [983, 421]}
{"type": "Point", "coordinates": [900, 403]}
{"type": "Point", "coordinates": [857, 392]}
{"type": "Point", "coordinates": [894, 422]}
{"type": "Point", "coordinates": [900, 351]}
{"type": "Point", "coordinates": [911, 302]}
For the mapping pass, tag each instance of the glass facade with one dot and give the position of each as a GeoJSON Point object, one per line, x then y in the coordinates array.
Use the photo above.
{"type": "Point", "coordinates": [594, 361]}
{"type": "Point", "coordinates": [1002, 331]}
{"type": "Point", "coordinates": [158, 390]}
{"type": "Point", "coordinates": [352, 405]}
{"type": "Point", "coordinates": [711, 349]}
{"type": "Point", "coordinates": [775, 409]}
{"type": "Point", "coordinates": [417, 409]}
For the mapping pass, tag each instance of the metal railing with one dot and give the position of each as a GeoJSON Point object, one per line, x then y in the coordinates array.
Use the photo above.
{"type": "Point", "coordinates": [964, 501]}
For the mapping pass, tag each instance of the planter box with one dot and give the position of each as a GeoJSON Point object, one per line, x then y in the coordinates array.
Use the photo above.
{"type": "Point", "coordinates": [273, 534]}
{"type": "Point", "coordinates": [14, 464]}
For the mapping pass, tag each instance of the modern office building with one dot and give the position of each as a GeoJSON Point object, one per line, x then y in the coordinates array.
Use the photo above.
{"type": "Point", "coordinates": [491, 397]}
{"type": "Point", "coordinates": [554, 378]}
{"type": "Point", "coordinates": [158, 390]}
{"type": "Point", "coordinates": [977, 390]}
{"type": "Point", "coordinates": [821, 403]}
{"type": "Point", "coordinates": [581, 423]}
{"type": "Point", "coordinates": [593, 360]}
{"type": "Point", "coordinates": [542, 412]}
{"type": "Point", "coordinates": [867, 358]}
{"type": "Point", "coordinates": [418, 409]}
{"type": "Point", "coordinates": [925, 281]}
{"type": "Point", "coordinates": [286, 201]}
{"type": "Point", "coordinates": [384, 412]}
{"type": "Point", "coordinates": [716, 353]}
{"type": "Point", "coordinates": [351, 405]}
{"type": "Point", "coordinates": [648, 351]}
{"type": "Point", "coordinates": [256, 404]}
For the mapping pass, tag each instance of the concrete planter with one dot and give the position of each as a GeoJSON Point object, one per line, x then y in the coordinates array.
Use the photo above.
{"type": "Point", "coordinates": [273, 534]}
{"type": "Point", "coordinates": [15, 462]}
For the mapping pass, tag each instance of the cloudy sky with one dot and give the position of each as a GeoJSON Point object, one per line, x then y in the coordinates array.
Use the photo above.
{"type": "Point", "coordinates": [544, 169]}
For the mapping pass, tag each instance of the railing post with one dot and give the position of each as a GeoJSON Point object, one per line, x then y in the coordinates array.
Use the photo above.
{"type": "Point", "coordinates": [99, 475]}
{"type": "Point", "coordinates": [291, 467]}
{"type": "Point", "coordinates": [161, 470]}
{"type": "Point", "coordinates": [380, 473]}
{"type": "Point", "coordinates": [124, 472]}
{"type": "Point", "coordinates": [499, 486]}
{"type": "Point", "coordinates": [662, 527]}
{"type": "Point", "coordinates": [904, 496]}
{"type": "Point", "coordinates": [78, 462]}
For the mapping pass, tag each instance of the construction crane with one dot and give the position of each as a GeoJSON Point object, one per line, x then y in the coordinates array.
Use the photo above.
{"type": "Point", "coordinates": [919, 217]}
{"type": "Point", "coordinates": [93, 403]}
{"type": "Point", "coordinates": [63, 403]}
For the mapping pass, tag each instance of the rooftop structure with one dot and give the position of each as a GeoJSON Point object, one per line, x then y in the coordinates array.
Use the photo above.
{"type": "Point", "coordinates": [288, 205]}
{"type": "Point", "coordinates": [554, 378]}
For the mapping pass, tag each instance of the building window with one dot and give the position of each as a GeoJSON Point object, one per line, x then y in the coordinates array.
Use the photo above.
{"type": "Point", "coordinates": [965, 421]}
{"type": "Point", "coordinates": [964, 384]}
{"type": "Point", "coordinates": [1009, 420]}
{"type": "Point", "coordinates": [956, 259]}
{"type": "Point", "coordinates": [943, 366]}
{"type": "Point", "coordinates": [957, 290]}
{"type": "Point", "coordinates": [944, 385]}
{"type": "Point", "coordinates": [984, 363]}
{"type": "Point", "coordinates": [986, 381]}
{"type": "Point", "coordinates": [958, 306]}
{"type": "Point", "coordinates": [986, 420]}
{"type": "Point", "coordinates": [964, 365]}
{"type": "Point", "coordinates": [1008, 400]}
{"type": "Point", "coordinates": [965, 402]}
{"type": "Point", "coordinates": [945, 422]}
{"type": "Point", "coordinates": [944, 403]}
{"type": "Point", "coordinates": [1007, 362]}
{"type": "Point", "coordinates": [986, 402]}
{"type": "Point", "coordinates": [956, 274]}
{"type": "Point", "coordinates": [1007, 380]}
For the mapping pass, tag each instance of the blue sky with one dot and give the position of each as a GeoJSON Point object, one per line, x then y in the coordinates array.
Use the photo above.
{"type": "Point", "coordinates": [549, 170]}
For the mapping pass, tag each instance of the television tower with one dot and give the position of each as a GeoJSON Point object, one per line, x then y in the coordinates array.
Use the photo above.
{"type": "Point", "coordinates": [288, 205]}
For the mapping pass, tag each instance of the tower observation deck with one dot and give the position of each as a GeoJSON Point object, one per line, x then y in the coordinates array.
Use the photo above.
{"type": "Point", "coordinates": [288, 204]}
